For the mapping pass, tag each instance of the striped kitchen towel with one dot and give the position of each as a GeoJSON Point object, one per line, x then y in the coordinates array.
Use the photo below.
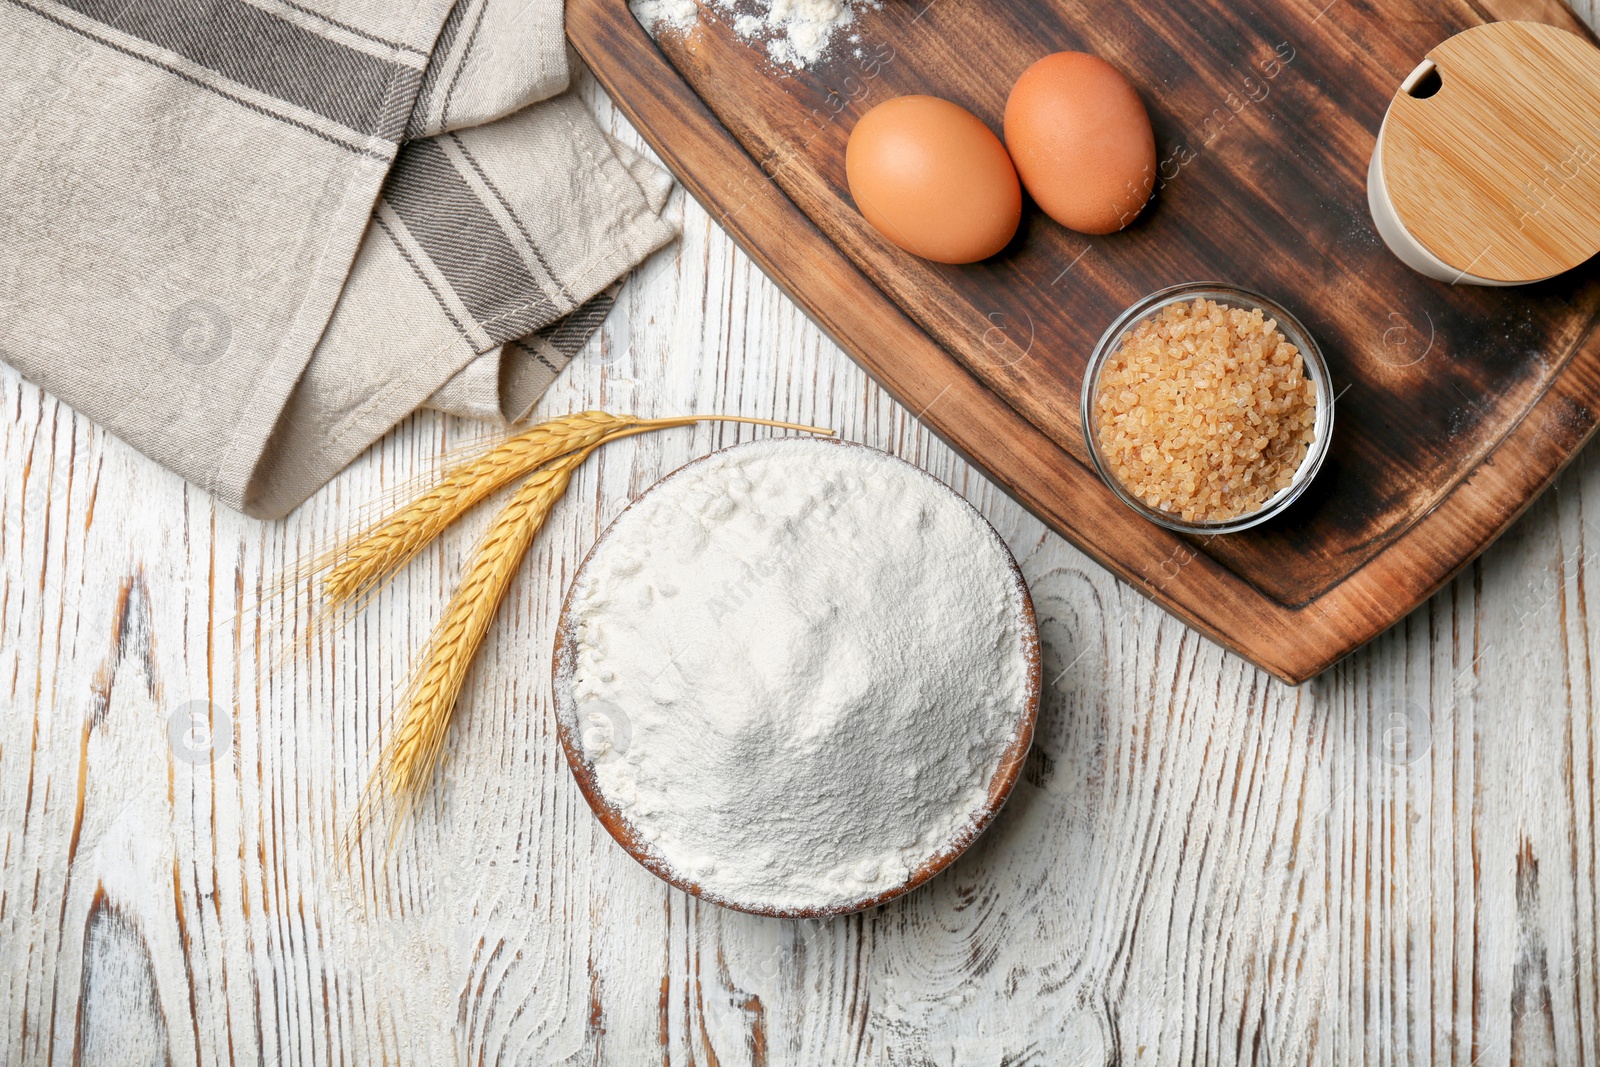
{"type": "Point", "coordinates": [248, 236]}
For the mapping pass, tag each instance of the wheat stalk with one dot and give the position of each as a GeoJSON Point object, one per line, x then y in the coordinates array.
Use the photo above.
{"type": "Point", "coordinates": [407, 762]}
{"type": "Point", "coordinates": [359, 566]}
{"type": "Point", "coordinates": [365, 560]}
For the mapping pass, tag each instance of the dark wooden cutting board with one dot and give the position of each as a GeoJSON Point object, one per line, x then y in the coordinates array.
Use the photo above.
{"type": "Point", "coordinates": [1456, 406]}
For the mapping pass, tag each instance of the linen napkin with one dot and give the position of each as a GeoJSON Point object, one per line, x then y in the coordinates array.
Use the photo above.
{"type": "Point", "coordinates": [248, 236]}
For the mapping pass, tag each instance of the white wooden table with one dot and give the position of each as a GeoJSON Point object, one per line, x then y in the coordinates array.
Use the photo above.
{"type": "Point", "coordinates": [1395, 863]}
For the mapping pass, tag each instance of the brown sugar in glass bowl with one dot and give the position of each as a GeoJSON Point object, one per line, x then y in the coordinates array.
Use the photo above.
{"type": "Point", "coordinates": [1206, 408]}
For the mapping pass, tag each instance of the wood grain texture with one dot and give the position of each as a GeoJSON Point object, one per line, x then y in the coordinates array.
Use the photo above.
{"type": "Point", "coordinates": [1265, 115]}
{"type": "Point", "coordinates": [1393, 864]}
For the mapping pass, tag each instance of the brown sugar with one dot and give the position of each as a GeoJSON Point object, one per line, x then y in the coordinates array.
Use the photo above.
{"type": "Point", "coordinates": [1205, 411]}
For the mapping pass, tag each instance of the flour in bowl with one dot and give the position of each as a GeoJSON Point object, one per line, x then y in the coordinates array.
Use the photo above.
{"type": "Point", "coordinates": [796, 667]}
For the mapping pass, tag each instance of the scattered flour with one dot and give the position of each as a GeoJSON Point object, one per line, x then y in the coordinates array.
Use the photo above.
{"type": "Point", "coordinates": [658, 15]}
{"type": "Point", "coordinates": [796, 33]}
{"type": "Point", "coordinates": [796, 668]}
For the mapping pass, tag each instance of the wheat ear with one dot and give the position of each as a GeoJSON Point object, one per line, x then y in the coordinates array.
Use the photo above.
{"type": "Point", "coordinates": [367, 559]}
{"type": "Point", "coordinates": [364, 562]}
{"type": "Point", "coordinates": [407, 762]}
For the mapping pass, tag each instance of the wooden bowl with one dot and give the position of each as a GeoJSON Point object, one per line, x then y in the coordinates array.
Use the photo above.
{"type": "Point", "coordinates": [618, 826]}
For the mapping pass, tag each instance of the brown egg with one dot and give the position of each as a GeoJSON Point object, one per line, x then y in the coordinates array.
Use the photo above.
{"type": "Point", "coordinates": [932, 178]}
{"type": "Point", "coordinates": [1082, 142]}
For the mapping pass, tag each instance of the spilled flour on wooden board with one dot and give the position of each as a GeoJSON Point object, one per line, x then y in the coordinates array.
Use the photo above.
{"type": "Point", "coordinates": [796, 33]}
{"type": "Point", "coordinates": [796, 669]}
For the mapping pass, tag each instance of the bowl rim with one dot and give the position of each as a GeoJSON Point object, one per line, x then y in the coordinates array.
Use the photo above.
{"type": "Point", "coordinates": [1001, 783]}
{"type": "Point", "coordinates": [1294, 332]}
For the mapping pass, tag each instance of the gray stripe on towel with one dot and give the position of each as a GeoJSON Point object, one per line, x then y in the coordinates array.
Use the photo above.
{"type": "Point", "coordinates": [348, 28]}
{"type": "Point", "coordinates": [256, 48]}
{"type": "Point", "coordinates": [417, 126]}
{"type": "Point", "coordinates": [568, 334]}
{"type": "Point", "coordinates": [465, 242]}
{"type": "Point", "coordinates": [460, 62]}
{"type": "Point", "coordinates": [422, 276]}
{"type": "Point", "coordinates": [511, 212]}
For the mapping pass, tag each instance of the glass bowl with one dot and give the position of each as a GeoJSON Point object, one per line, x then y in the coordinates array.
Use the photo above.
{"type": "Point", "coordinates": [1316, 369]}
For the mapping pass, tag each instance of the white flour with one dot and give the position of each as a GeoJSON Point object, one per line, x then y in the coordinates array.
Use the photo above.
{"type": "Point", "coordinates": [796, 32]}
{"type": "Point", "coordinates": [658, 15]}
{"type": "Point", "coordinates": [798, 665]}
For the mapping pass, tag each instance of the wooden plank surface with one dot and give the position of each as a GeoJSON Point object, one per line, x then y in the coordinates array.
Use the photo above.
{"type": "Point", "coordinates": [1393, 864]}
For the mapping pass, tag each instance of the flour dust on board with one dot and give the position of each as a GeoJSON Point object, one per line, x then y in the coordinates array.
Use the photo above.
{"type": "Point", "coordinates": [796, 33]}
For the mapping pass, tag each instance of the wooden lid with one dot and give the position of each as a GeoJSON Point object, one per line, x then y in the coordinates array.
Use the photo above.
{"type": "Point", "coordinates": [1491, 151]}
